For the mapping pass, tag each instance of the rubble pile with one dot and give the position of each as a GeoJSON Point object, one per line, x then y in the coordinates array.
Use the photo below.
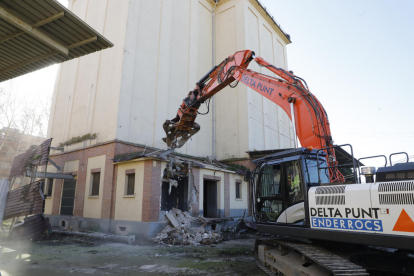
{"type": "Point", "coordinates": [187, 230]}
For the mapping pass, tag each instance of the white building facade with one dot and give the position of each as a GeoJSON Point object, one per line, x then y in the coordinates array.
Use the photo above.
{"type": "Point", "coordinates": [161, 49]}
{"type": "Point", "coordinates": [114, 103]}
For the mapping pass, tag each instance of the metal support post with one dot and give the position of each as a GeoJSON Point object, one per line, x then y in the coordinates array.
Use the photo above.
{"type": "Point", "coordinates": [292, 112]}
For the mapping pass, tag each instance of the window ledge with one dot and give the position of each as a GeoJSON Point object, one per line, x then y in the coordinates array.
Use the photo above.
{"type": "Point", "coordinates": [129, 196]}
{"type": "Point", "coordinates": [239, 199]}
{"type": "Point", "coordinates": [93, 196]}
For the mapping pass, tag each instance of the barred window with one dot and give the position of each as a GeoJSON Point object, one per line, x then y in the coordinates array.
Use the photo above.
{"type": "Point", "coordinates": [49, 187]}
{"type": "Point", "coordinates": [238, 190]}
{"type": "Point", "coordinates": [130, 184]}
{"type": "Point", "coordinates": [95, 178]}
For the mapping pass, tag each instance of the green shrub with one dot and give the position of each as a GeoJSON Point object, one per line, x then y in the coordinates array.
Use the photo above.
{"type": "Point", "coordinates": [78, 139]}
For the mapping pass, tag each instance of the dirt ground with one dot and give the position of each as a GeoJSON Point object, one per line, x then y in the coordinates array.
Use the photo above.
{"type": "Point", "coordinates": [68, 255]}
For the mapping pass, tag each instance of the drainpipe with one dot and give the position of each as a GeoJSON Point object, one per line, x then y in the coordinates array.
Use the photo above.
{"type": "Point", "coordinates": [213, 110]}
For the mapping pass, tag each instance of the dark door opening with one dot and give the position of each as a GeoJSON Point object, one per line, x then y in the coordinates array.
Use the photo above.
{"type": "Point", "coordinates": [178, 197]}
{"type": "Point", "coordinates": [210, 199]}
{"type": "Point", "coordinates": [68, 197]}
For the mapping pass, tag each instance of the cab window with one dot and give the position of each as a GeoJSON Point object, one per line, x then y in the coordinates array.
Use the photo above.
{"type": "Point", "coordinates": [270, 181]}
{"type": "Point", "coordinates": [270, 192]}
{"type": "Point", "coordinates": [311, 172]}
{"type": "Point", "coordinates": [293, 181]}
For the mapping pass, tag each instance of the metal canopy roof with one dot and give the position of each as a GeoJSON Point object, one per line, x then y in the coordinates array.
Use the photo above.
{"type": "Point", "coordinates": [37, 33]}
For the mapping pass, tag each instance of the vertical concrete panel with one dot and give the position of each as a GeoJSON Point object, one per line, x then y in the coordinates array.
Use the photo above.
{"type": "Point", "coordinates": [200, 63]}
{"type": "Point", "coordinates": [160, 66]}
{"type": "Point", "coordinates": [128, 76]}
{"type": "Point", "coordinates": [88, 88]}
{"type": "Point", "coordinates": [65, 90]}
{"type": "Point", "coordinates": [255, 100]}
{"type": "Point", "coordinates": [280, 54]}
{"type": "Point", "coordinates": [231, 104]}
{"type": "Point", "coordinates": [271, 127]}
{"type": "Point", "coordinates": [105, 103]}
{"type": "Point", "coordinates": [62, 107]}
{"type": "Point", "coordinates": [85, 87]}
{"type": "Point", "coordinates": [53, 111]}
{"type": "Point", "coordinates": [163, 76]}
{"type": "Point", "coordinates": [285, 124]}
{"type": "Point", "coordinates": [227, 109]}
{"type": "Point", "coordinates": [142, 102]}
{"type": "Point", "coordinates": [285, 128]}
{"type": "Point", "coordinates": [179, 58]}
{"type": "Point", "coordinates": [264, 116]}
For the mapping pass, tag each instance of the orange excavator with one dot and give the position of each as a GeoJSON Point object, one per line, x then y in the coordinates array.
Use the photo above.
{"type": "Point", "coordinates": [289, 92]}
{"type": "Point", "coordinates": [323, 225]}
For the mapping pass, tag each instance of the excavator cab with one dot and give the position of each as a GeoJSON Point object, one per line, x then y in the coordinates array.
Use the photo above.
{"type": "Point", "coordinates": [281, 183]}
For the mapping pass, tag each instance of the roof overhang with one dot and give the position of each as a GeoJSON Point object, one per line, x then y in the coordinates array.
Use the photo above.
{"type": "Point", "coordinates": [270, 19]}
{"type": "Point", "coordinates": [265, 13]}
{"type": "Point", "coordinates": [36, 34]}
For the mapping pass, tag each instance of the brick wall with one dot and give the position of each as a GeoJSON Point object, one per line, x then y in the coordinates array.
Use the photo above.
{"type": "Point", "coordinates": [109, 185]}
{"type": "Point", "coordinates": [152, 191]}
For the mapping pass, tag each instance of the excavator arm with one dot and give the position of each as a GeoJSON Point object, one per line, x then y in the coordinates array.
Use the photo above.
{"type": "Point", "coordinates": [312, 125]}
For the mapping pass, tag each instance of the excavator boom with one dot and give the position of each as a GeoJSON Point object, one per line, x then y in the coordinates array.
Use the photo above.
{"type": "Point", "coordinates": [312, 125]}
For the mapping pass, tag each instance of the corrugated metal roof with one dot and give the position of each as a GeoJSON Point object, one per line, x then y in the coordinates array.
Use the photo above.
{"type": "Point", "coordinates": [27, 200]}
{"type": "Point", "coordinates": [32, 226]}
{"type": "Point", "coordinates": [38, 33]}
{"type": "Point", "coordinates": [35, 156]}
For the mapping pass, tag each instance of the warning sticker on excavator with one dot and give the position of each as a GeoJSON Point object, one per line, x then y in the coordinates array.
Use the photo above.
{"type": "Point", "coordinates": [404, 223]}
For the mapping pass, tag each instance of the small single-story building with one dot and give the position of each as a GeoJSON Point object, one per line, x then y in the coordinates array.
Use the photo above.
{"type": "Point", "coordinates": [129, 193]}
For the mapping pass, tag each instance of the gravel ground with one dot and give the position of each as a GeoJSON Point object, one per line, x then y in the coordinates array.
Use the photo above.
{"type": "Point", "coordinates": [68, 255]}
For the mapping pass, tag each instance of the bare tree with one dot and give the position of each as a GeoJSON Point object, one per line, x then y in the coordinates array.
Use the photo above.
{"type": "Point", "coordinates": [27, 118]}
{"type": "Point", "coordinates": [9, 111]}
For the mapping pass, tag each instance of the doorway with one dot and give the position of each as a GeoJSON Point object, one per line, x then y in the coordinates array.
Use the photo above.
{"type": "Point", "coordinates": [178, 198]}
{"type": "Point", "coordinates": [68, 197]}
{"type": "Point", "coordinates": [210, 199]}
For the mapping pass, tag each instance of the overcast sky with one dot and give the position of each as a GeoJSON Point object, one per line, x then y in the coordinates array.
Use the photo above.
{"type": "Point", "coordinates": [357, 58]}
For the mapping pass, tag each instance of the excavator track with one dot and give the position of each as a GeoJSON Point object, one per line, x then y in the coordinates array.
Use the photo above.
{"type": "Point", "coordinates": [296, 258]}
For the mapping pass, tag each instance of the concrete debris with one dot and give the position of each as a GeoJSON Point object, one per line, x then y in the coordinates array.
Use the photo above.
{"type": "Point", "coordinates": [187, 230]}
{"type": "Point", "coordinates": [173, 221]}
